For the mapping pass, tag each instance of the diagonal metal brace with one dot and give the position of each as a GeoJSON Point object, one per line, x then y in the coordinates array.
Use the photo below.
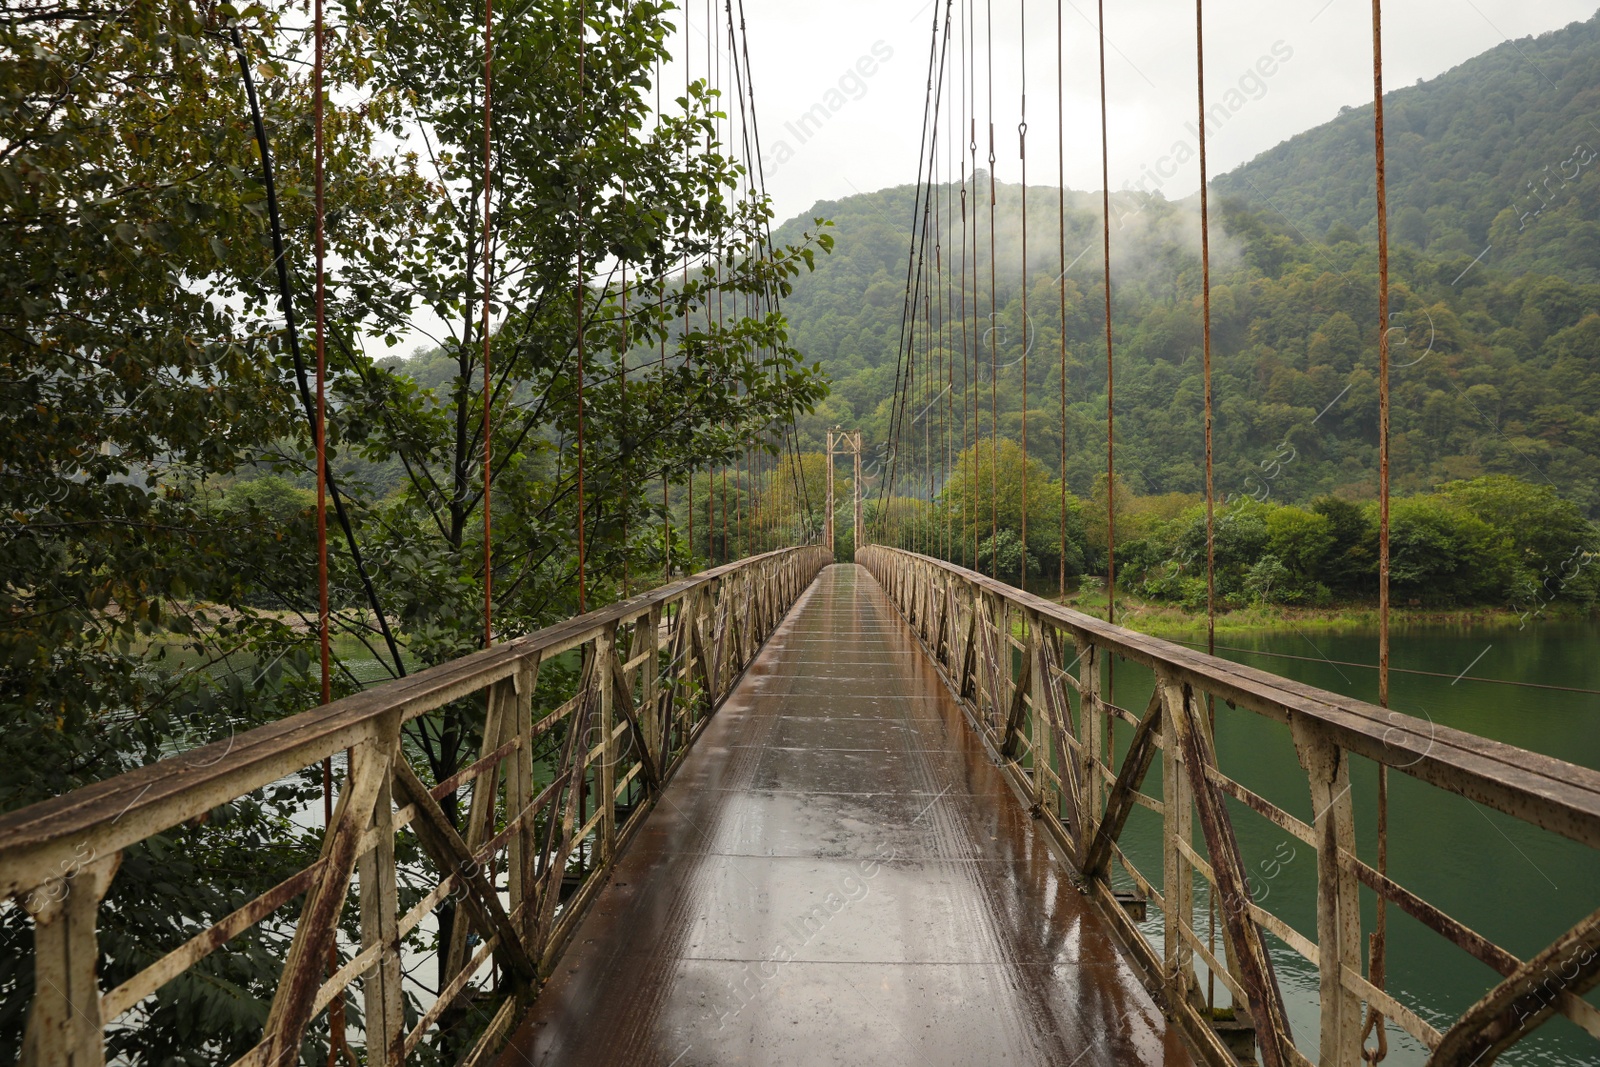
{"type": "Point", "coordinates": [1008, 743]}
{"type": "Point", "coordinates": [440, 840]}
{"type": "Point", "coordinates": [1255, 965]}
{"type": "Point", "coordinates": [1135, 765]}
{"type": "Point", "coordinates": [1526, 999]}
{"type": "Point", "coordinates": [622, 698]}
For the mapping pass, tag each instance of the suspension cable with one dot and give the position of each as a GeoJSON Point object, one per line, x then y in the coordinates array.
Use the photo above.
{"type": "Point", "coordinates": [713, 82]}
{"type": "Point", "coordinates": [972, 152]}
{"type": "Point", "coordinates": [1377, 953]}
{"type": "Point", "coordinates": [483, 328]}
{"type": "Point", "coordinates": [336, 1017]}
{"type": "Point", "coordinates": [324, 620]}
{"type": "Point", "coordinates": [949, 417]}
{"type": "Point", "coordinates": [936, 338]}
{"type": "Point", "coordinates": [1022, 155]}
{"type": "Point", "coordinates": [578, 293]}
{"type": "Point", "coordinates": [1211, 527]}
{"type": "Point", "coordinates": [622, 403]}
{"type": "Point", "coordinates": [1061, 279]}
{"type": "Point", "coordinates": [994, 351]}
{"type": "Point", "coordinates": [906, 354]}
{"type": "Point", "coordinates": [622, 384]}
{"type": "Point", "coordinates": [683, 294]}
{"type": "Point", "coordinates": [1205, 328]}
{"type": "Point", "coordinates": [966, 375]}
{"type": "Point", "coordinates": [661, 375]}
{"type": "Point", "coordinates": [1111, 409]}
{"type": "Point", "coordinates": [769, 294]}
{"type": "Point", "coordinates": [1111, 420]}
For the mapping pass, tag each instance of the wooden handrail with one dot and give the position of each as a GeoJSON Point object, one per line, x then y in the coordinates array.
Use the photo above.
{"type": "Point", "coordinates": [965, 621]}
{"type": "Point", "coordinates": [58, 857]}
{"type": "Point", "coordinates": [1555, 795]}
{"type": "Point", "coordinates": [158, 796]}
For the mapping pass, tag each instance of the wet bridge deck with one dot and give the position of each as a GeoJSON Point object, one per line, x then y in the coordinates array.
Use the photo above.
{"type": "Point", "coordinates": [839, 875]}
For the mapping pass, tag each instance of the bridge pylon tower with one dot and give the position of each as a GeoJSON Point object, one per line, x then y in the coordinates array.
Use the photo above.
{"type": "Point", "coordinates": [843, 441]}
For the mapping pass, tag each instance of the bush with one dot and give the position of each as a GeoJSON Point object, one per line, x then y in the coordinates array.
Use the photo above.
{"type": "Point", "coordinates": [1003, 553]}
{"type": "Point", "coordinates": [1440, 551]}
{"type": "Point", "coordinates": [1548, 536]}
{"type": "Point", "coordinates": [1241, 537]}
{"type": "Point", "coordinates": [1301, 540]}
{"type": "Point", "coordinates": [1268, 581]}
{"type": "Point", "coordinates": [1349, 566]}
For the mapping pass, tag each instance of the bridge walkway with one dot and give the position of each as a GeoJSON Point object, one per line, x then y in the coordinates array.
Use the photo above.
{"type": "Point", "coordinates": [838, 874]}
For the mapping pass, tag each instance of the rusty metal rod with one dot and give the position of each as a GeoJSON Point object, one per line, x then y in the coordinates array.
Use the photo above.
{"type": "Point", "coordinates": [1379, 943]}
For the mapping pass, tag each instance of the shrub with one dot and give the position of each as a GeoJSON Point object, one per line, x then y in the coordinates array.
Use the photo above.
{"type": "Point", "coordinates": [1440, 551]}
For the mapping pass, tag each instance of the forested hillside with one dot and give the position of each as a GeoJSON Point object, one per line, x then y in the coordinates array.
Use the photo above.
{"type": "Point", "coordinates": [1496, 371]}
{"type": "Point", "coordinates": [1494, 154]}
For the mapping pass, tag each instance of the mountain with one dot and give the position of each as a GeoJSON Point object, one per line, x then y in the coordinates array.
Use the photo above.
{"type": "Point", "coordinates": [1496, 369]}
{"type": "Point", "coordinates": [1495, 157]}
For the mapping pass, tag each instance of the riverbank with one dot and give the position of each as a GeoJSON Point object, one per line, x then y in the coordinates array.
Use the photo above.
{"type": "Point", "coordinates": [1160, 619]}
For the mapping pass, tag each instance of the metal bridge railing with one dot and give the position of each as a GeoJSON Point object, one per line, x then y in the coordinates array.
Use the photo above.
{"type": "Point", "coordinates": [650, 671]}
{"type": "Point", "coordinates": [1009, 655]}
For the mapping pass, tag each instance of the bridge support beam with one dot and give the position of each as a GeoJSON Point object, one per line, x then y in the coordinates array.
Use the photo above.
{"type": "Point", "coordinates": [605, 779]}
{"type": "Point", "coordinates": [524, 845]}
{"type": "Point", "coordinates": [380, 930]}
{"type": "Point", "coordinates": [293, 1005]}
{"type": "Point", "coordinates": [1092, 726]}
{"type": "Point", "coordinates": [1177, 830]}
{"type": "Point", "coordinates": [64, 1024]}
{"type": "Point", "coordinates": [1338, 899]}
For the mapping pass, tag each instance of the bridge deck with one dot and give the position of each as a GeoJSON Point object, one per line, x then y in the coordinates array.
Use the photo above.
{"type": "Point", "coordinates": [838, 875]}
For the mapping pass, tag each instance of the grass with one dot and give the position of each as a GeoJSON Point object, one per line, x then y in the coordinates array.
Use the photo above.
{"type": "Point", "coordinates": [1161, 619]}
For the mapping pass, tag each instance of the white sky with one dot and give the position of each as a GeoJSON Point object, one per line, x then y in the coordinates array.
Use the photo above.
{"type": "Point", "coordinates": [801, 50]}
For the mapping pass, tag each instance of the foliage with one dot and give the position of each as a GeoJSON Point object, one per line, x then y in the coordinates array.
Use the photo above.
{"type": "Point", "coordinates": [796, 497]}
{"type": "Point", "coordinates": [1442, 552]}
{"type": "Point", "coordinates": [1495, 152]}
{"type": "Point", "coordinates": [1495, 370]}
{"type": "Point", "coordinates": [984, 497]}
{"type": "Point", "coordinates": [1466, 543]}
{"type": "Point", "coordinates": [159, 579]}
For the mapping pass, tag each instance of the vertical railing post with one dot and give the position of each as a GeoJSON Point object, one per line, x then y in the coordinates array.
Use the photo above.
{"type": "Point", "coordinates": [650, 687]}
{"type": "Point", "coordinates": [1007, 680]}
{"type": "Point", "coordinates": [316, 929]}
{"type": "Point", "coordinates": [381, 989]}
{"type": "Point", "coordinates": [605, 667]}
{"type": "Point", "coordinates": [1039, 732]}
{"type": "Point", "coordinates": [498, 727]}
{"type": "Point", "coordinates": [693, 657]}
{"type": "Point", "coordinates": [1092, 724]}
{"type": "Point", "coordinates": [1338, 894]}
{"type": "Point", "coordinates": [1177, 825]}
{"type": "Point", "coordinates": [64, 1025]}
{"type": "Point", "coordinates": [519, 794]}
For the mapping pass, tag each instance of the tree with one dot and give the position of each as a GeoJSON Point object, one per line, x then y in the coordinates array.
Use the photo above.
{"type": "Point", "coordinates": [1349, 565]}
{"type": "Point", "coordinates": [796, 496]}
{"type": "Point", "coordinates": [1441, 552]}
{"type": "Point", "coordinates": [156, 302]}
{"type": "Point", "coordinates": [1301, 539]}
{"type": "Point", "coordinates": [985, 489]}
{"type": "Point", "coordinates": [144, 362]}
{"type": "Point", "coordinates": [1544, 530]}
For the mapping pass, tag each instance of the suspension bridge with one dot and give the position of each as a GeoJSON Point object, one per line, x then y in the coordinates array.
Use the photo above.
{"type": "Point", "coordinates": [806, 812]}
{"type": "Point", "coordinates": [796, 809]}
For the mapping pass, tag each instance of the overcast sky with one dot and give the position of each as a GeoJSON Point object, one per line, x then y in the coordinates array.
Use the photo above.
{"type": "Point", "coordinates": [1291, 64]}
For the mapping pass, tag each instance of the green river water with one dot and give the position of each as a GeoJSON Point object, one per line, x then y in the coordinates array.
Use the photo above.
{"type": "Point", "coordinates": [1520, 886]}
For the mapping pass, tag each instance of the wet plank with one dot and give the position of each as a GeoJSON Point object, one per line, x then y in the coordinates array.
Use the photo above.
{"type": "Point", "coordinates": [838, 875]}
